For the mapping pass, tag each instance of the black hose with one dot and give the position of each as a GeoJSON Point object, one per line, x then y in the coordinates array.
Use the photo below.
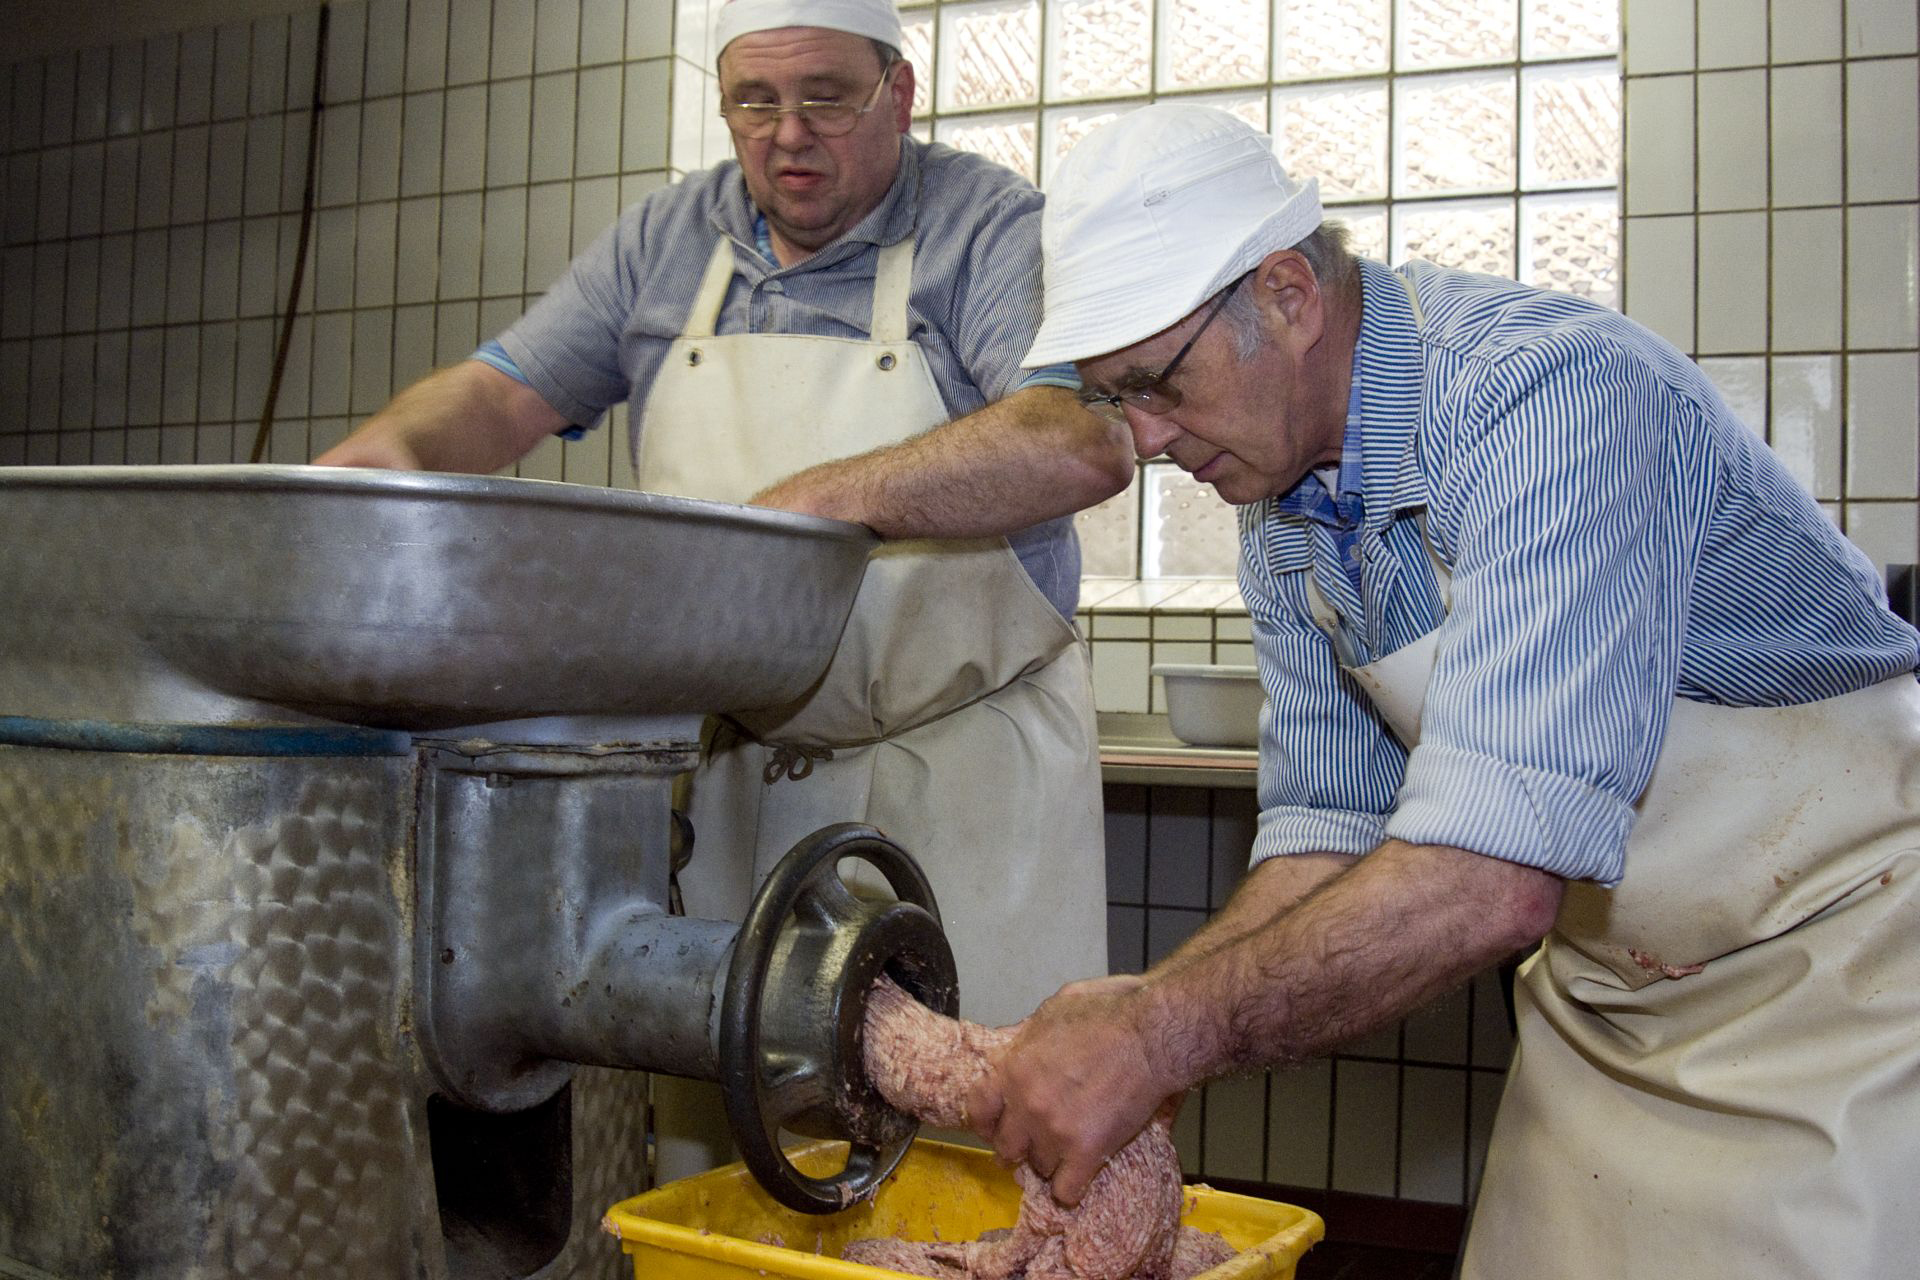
{"type": "Point", "coordinates": [306, 230]}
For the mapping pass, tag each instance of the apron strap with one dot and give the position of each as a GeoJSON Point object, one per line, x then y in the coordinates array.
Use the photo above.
{"type": "Point", "coordinates": [712, 293]}
{"type": "Point", "coordinates": [1419, 316]}
{"type": "Point", "coordinates": [1323, 613]}
{"type": "Point", "coordinates": [892, 282]}
{"type": "Point", "coordinates": [1327, 619]}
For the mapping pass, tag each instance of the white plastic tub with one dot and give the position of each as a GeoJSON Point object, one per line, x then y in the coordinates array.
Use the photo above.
{"type": "Point", "coordinates": [1212, 706]}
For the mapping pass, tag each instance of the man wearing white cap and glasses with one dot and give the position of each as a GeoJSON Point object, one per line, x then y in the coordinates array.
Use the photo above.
{"type": "Point", "coordinates": [833, 323]}
{"type": "Point", "coordinates": [1553, 648]}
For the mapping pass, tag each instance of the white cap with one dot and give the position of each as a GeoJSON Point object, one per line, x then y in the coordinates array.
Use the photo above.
{"type": "Point", "coordinates": [875, 19]}
{"type": "Point", "coordinates": [1151, 215]}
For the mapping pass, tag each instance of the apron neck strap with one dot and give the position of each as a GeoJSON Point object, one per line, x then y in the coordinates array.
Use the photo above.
{"type": "Point", "coordinates": [1419, 316]}
{"type": "Point", "coordinates": [712, 292]}
{"type": "Point", "coordinates": [892, 282]}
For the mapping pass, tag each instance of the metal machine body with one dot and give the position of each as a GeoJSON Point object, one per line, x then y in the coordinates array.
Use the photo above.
{"type": "Point", "coordinates": [335, 833]}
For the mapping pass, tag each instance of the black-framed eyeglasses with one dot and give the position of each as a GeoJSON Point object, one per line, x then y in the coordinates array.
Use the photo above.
{"type": "Point", "coordinates": [828, 118]}
{"type": "Point", "coordinates": [1152, 392]}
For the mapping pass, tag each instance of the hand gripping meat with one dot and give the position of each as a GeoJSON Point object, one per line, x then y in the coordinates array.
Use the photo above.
{"type": "Point", "coordinates": [1126, 1227]}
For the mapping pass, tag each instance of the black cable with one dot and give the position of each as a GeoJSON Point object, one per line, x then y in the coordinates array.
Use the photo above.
{"type": "Point", "coordinates": [306, 230]}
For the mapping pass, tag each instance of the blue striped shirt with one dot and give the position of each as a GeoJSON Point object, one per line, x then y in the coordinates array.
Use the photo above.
{"type": "Point", "coordinates": [1615, 538]}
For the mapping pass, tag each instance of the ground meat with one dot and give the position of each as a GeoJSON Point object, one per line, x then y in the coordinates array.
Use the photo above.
{"type": "Point", "coordinates": [1126, 1227]}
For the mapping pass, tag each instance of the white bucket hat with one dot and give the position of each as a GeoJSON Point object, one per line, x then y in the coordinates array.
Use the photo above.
{"type": "Point", "coordinates": [875, 19]}
{"type": "Point", "coordinates": [1151, 215]}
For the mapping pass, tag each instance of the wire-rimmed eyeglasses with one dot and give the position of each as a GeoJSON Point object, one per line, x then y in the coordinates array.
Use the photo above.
{"type": "Point", "coordinates": [828, 118]}
{"type": "Point", "coordinates": [1151, 392]}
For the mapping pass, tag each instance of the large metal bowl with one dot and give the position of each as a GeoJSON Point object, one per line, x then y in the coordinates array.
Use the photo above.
{"type": "Point", "coordinates": [259, 595]}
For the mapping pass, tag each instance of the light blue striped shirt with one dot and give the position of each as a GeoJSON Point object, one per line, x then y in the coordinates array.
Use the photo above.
{"type": "Point", "coordinates": [1615, 538]}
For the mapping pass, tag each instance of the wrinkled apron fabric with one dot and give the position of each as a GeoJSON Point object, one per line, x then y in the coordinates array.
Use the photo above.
{"type": "Point", "coordinates": [957, 713]}
{"type": "Point", "coordinates": [1718, 1067]}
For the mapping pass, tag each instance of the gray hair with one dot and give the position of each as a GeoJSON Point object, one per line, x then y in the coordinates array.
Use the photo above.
{"type": "Point", "coordinates": [1326, 251]}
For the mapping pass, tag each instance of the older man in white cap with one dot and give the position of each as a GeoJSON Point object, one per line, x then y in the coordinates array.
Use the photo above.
{"type": "Point", "coordinates": [1553, 647]}
{"type": "Point", "coordinates": [834, 323]}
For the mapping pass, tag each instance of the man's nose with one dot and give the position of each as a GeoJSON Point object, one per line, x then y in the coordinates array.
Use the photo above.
{"type": "Point", "coordinates": [1152, 433]}
{"type": "Point", "coordinates": [793, 133]}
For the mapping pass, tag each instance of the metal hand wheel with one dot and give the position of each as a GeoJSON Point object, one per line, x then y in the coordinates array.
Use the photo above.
{"type": "Point", "coordinates": [792, 1009]}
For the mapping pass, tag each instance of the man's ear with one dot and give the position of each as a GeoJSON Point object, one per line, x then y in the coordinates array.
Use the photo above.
{"type": "Point", "coordinates": [1288, 294]}
{"type": "Point", "coordinates": [902, 91]}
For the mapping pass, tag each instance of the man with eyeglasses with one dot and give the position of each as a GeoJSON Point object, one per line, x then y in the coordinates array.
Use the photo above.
{"type": "Point", "coordinates": [833, 323]}
{"type": "Point", "coordinates": [1554, 648]}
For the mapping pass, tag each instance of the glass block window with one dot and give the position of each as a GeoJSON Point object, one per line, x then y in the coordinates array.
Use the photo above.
{"type": "Point", "coordinates": [1482, 134]}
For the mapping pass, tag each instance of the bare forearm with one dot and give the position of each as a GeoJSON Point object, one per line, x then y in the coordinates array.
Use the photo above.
{"type": "Point", "coordinates": [1399, 927]}
{"type": "Point", "coordinates": [1035, 455]}
{"type": "Point", "coordinates": [1270, 887]}
{"type": "Point", "coordinates": [469, 417]}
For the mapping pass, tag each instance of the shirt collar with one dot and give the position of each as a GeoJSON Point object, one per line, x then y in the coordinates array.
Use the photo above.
{"type": "Point", "coordinates": [888, 222]}
{"type": "Point", "coordinates": [1388, 369]}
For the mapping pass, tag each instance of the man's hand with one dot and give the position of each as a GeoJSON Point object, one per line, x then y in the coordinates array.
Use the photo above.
{"type": "Point", "coordinates": [373, 449]}
{"type": "Point", "coordinates": [1075, 1084]}
{"type": "Point", "coordinates": [1302, 960]}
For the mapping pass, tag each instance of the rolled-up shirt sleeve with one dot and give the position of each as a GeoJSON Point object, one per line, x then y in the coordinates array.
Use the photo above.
{"type": "Point", "coordinates": [1557, 662]}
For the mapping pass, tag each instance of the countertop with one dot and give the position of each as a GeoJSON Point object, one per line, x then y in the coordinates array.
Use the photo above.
{"type": "Point", "coordinates": [1141, 749]}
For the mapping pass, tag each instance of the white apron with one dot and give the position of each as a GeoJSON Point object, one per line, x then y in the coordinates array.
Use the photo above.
{"type": "Point", "coordinates": [1718, 1067]}
{"type": "Point", "coordinates": [958, 709]}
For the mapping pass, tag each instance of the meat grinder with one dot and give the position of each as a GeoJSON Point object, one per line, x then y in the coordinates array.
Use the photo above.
{"type": "Point", "coordinates": [336, 847]}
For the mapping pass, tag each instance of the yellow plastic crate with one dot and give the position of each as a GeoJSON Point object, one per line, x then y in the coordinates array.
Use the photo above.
{"type": "Point", "coordinates": [723, 1226]}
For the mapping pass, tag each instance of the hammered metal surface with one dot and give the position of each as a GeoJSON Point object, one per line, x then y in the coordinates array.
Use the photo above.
{"type": "Point", "coordinates": [322, 1096]}
{"type": "Point", "coordinates": [211, 955]}
{"type": "Point", "coordinates": [609, 1165]}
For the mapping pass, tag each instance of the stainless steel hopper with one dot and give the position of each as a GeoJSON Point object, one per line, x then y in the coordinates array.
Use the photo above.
{"type": "Point", "coordinates": [416, 601]}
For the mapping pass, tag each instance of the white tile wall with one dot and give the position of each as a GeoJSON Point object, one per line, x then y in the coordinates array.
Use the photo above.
{"type": "Point", "coordinates": [1732, 295]}
{"type": "Point", "coordinates": [1880, 28]}
{"type": "Point", "coordinates": [1659, 144]}
{"type": "Point", "coordinates": [1806, 422]}
{"type": "Point", "coordinates": [1883, 288]}
{"type": "Point", "coordinates": [1733, 154]}
{"type": "Point", "coordinates": [1742, 380]}
{"type": "Point", "coordinates": [1805, 106]}
{"type": "Point", "coordinates": [152, 189]}
{"type": "Point", "coordinates": [1883, 141]}
{"type": "Point", "coordinates": [1732, 33]}
{"type": "Point", "coordinates": [1883, 430]}
{"type": "Point", "coordinates": [1660, 36]}
{"type": "Point", "coordinates": [1661, 251]}
{"type": "Point", "coordinates": [1774, 232]}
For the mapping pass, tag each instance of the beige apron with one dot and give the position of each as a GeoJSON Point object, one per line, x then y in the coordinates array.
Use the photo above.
{"type": "Point", "coordinates": [958, 709]}
{"type": "Point", "coordinates": [1718, 1069]}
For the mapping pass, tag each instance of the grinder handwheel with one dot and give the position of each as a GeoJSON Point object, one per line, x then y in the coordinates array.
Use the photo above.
{"type": "Point", "coordinates": [805, 915]}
